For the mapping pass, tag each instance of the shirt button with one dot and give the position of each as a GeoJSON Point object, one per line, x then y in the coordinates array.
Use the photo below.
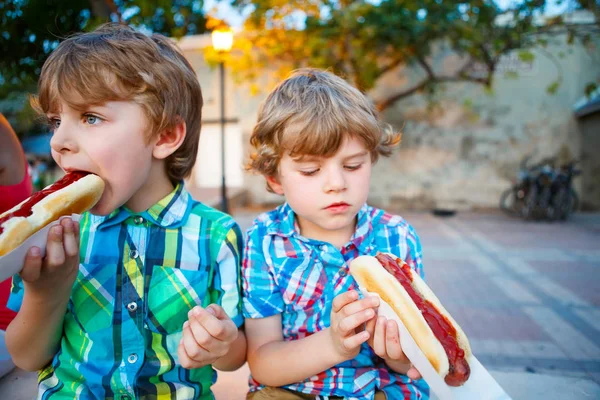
{"type": "Point", "coordinates": [132, 306]}
{"type": "Point", "coordinates": [133, 254]}
{"type": "Point", "coordinates": [132, 358]}
{"type": "Point", "coordinates": [343, 272]}
{"type": "Point", "coordinates": [138, 220]}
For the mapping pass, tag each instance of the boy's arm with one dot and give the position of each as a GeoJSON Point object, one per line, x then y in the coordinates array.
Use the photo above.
{"type": "Point", "coordinates": [34, 335]}
{"type": "Point", "coordinates": [275, 362]}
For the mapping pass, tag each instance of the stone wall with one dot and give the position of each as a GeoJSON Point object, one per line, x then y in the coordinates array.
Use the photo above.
{"type": "Point", "coordinates": [465, 151]}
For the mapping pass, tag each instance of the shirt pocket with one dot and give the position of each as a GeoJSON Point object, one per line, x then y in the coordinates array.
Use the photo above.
{"type": "Point", "coordinates": [93, 297]}
{"type": "Point", "coordinates": [306, 283]}
{"type": "Point", "coordinates": [172, 293]}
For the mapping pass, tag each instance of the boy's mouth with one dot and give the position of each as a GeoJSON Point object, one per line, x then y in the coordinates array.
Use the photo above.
{"type": "Point", "coordinates": [337, 207]}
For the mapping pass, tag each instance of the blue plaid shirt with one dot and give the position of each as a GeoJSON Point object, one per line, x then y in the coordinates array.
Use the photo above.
{"type": "Point", "coordinates": [140, 274]}
{"type": "Point", "coordinates": [288, 274]}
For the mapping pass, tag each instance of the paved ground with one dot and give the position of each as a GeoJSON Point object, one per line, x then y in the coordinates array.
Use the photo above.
{"type": "Point", "coordinates": [526, 294]}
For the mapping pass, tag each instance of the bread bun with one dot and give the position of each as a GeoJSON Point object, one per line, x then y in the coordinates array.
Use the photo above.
{"type": "Point", "coordinates": [373, 276]}
{"type": "Point", "coordinates": [74, 194]}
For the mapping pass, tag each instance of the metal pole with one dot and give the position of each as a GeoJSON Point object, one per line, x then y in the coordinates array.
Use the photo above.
{"type": "Point", "coordinates": [224, 205]}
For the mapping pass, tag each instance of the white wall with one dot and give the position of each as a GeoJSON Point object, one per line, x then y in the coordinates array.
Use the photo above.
{"type": "Point", "coordinates": [207, 171]}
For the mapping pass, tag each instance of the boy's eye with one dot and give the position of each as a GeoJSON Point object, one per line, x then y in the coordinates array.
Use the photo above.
{"type": "Point", "coordinates": [309, 173]}
{"type": "Point", "coordinates": [54, 123]}
{"type": "Point", "coordinates": [91, 119]}
{"type": "Point", "coordinates": [352, 167]}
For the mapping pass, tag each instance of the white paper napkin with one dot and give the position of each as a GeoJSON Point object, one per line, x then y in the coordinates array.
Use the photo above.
{"type": "Point", "coordinates": [479, 386]}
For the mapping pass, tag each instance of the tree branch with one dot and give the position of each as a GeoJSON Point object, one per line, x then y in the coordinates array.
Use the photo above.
{"type": "Point", "coordinates": [382, 105]}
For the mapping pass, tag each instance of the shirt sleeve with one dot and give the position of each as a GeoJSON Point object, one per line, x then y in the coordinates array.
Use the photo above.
{"type": "Point", "coordinates": [227, 280]}
{"type": "Point", "coordinates": [16, 294]}
{"type": "Point", "coordinates": [414, 252]}
{"type": "Point", "coordinates": [262, 297]}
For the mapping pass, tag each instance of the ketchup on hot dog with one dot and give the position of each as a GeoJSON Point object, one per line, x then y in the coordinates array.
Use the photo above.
{"type": "Point", "coordinates": [443, 330]}
{"type": "Point", "coordinates": [26, 208]}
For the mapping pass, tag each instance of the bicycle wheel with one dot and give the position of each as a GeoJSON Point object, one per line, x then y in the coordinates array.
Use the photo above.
{"type": "Point", "coordinates": [530, 203]}
{"type": "Point", "coordinates": [574, 200]}
{"type": "Point", "coordinates": [509, 202]}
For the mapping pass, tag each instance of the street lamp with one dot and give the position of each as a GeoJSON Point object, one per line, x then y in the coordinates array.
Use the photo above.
{"type": "Point", "coordinates": [222, 40]}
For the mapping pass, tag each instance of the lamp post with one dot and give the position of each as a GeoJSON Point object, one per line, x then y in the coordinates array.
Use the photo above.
{"type": "Point", "coordinates": [222, 40]}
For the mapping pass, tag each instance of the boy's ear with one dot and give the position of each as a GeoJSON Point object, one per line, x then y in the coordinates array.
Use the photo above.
{"type": "Point", "coordinates": [169, 140]}
{"type": "Point", "coordinates": [274, 184]}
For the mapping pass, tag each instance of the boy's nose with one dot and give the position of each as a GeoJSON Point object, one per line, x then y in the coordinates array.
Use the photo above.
{"type": "Point", "coordinates": [336, 181]}
{"type": "Point", "coordinates": [62, 140]}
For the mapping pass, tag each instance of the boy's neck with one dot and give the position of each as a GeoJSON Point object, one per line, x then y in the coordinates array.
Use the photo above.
{"type": "Point", "coordinates": [337, 238]}
{"type": "Point", "coordinates": [156, 187]}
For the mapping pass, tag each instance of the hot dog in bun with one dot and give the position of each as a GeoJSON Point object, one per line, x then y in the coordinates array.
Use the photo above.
{"type": "Point", "coordinates": [438, 336]}
{"type": "Point", "coordinates": [75, 193]}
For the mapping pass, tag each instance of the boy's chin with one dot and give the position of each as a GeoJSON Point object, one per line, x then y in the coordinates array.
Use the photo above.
{"type": "Point", "coordinates": [101, 210]}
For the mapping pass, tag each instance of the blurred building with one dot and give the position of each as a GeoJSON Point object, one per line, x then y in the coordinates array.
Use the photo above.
{"type": "Point", "coordinates": [461, 154]}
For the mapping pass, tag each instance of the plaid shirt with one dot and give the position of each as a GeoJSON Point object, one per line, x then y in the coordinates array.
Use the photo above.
{"type": "Point", "coordinates": [288, 274]}
{"type": "Point", "coordinates": [139, 276]}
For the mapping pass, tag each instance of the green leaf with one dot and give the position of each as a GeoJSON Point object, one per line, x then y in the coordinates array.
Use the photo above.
{"type": "Point", "coordinates": [553, 87]}
{"type": "Point", "coordinates": [526, 56]}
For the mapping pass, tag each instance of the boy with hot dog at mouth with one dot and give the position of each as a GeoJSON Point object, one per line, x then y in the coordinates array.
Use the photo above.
{"type": "Point", "coordinates": [310, 335]}
{"type": "Point", "coordinates": [141, 299]}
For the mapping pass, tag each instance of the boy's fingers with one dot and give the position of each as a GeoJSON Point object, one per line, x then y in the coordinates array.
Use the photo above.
{"type": "Point", "coordinates": [193, 350]}
{"type": "Point", "coordinates": [355, 341]}
{"type": "Point", "coordinates": [202, 337]}
{"type": "Point", "coordinates": [379, 339]}
{"type": "Point", "coordinates": [413, 373]}
{"type": "Point", "coordinates": [55, 253]}
{"type": "Point", "coordinates": [392, 342]}
{"type": "Point", "coordinates": [341, 300]}
{"type": "Point", "coordinates": [76, 229]}
{"type": "Point", "coordinates": [184, 358]}
{"type": "Point", "coordinates": [348, 324]}
{"type": "Point", "coordinates": [222, 330]}
{"type": "Point", "coordinates": [370, 327]}
{"type": "Point", "coordinates": [359, 305]}
{"type": "Point", "coordinates": [217, 311]}
{"type": "Point", "coordinates": [32, 266]}
{"type": "Point", "coordinates": [71, 244]}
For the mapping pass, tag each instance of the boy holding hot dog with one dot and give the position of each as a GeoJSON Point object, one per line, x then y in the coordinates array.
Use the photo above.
{"type": "Point", "coordinates": [310, 334]}
{"type": "Point", "coordinates": [141, 299]}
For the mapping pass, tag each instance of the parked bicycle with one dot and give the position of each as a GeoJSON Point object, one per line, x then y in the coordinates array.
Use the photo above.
{"type": "Point", "coordinates": [542, 191]}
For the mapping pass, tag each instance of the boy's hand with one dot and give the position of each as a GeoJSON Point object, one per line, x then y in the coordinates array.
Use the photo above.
{"type": "Point", "coordinates": [207, 336]}
{"type": "Point", "coordinates": [348, 314]}
{"type": "Point", "coordinates": [44, 277]}
{"type": "Point", "coordinates": [385, 342]}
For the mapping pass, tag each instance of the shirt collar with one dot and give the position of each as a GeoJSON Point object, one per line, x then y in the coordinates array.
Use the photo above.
{"type": "Point", "coordinates": [362, 237]}
{"type": "Point", "coordinates": [286, 225]}
{"type": "Point", "coordinates": [169, 212]}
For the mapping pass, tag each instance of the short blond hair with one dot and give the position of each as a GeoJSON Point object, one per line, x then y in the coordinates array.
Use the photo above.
{"type": "Point", "coordinates": [116, 63]}
{"type": "Point", "coordinates": [311, 113]}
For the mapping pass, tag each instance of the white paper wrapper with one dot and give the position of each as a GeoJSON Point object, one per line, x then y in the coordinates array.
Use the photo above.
{"type": "Point", "coordinates": [479, 386]}
{"type": "Point", "coordinates": [12, 263]}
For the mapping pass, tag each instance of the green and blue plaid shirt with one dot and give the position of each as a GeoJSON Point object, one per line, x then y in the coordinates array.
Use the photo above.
{"type": "Point", "coordinates": [140, 274]}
